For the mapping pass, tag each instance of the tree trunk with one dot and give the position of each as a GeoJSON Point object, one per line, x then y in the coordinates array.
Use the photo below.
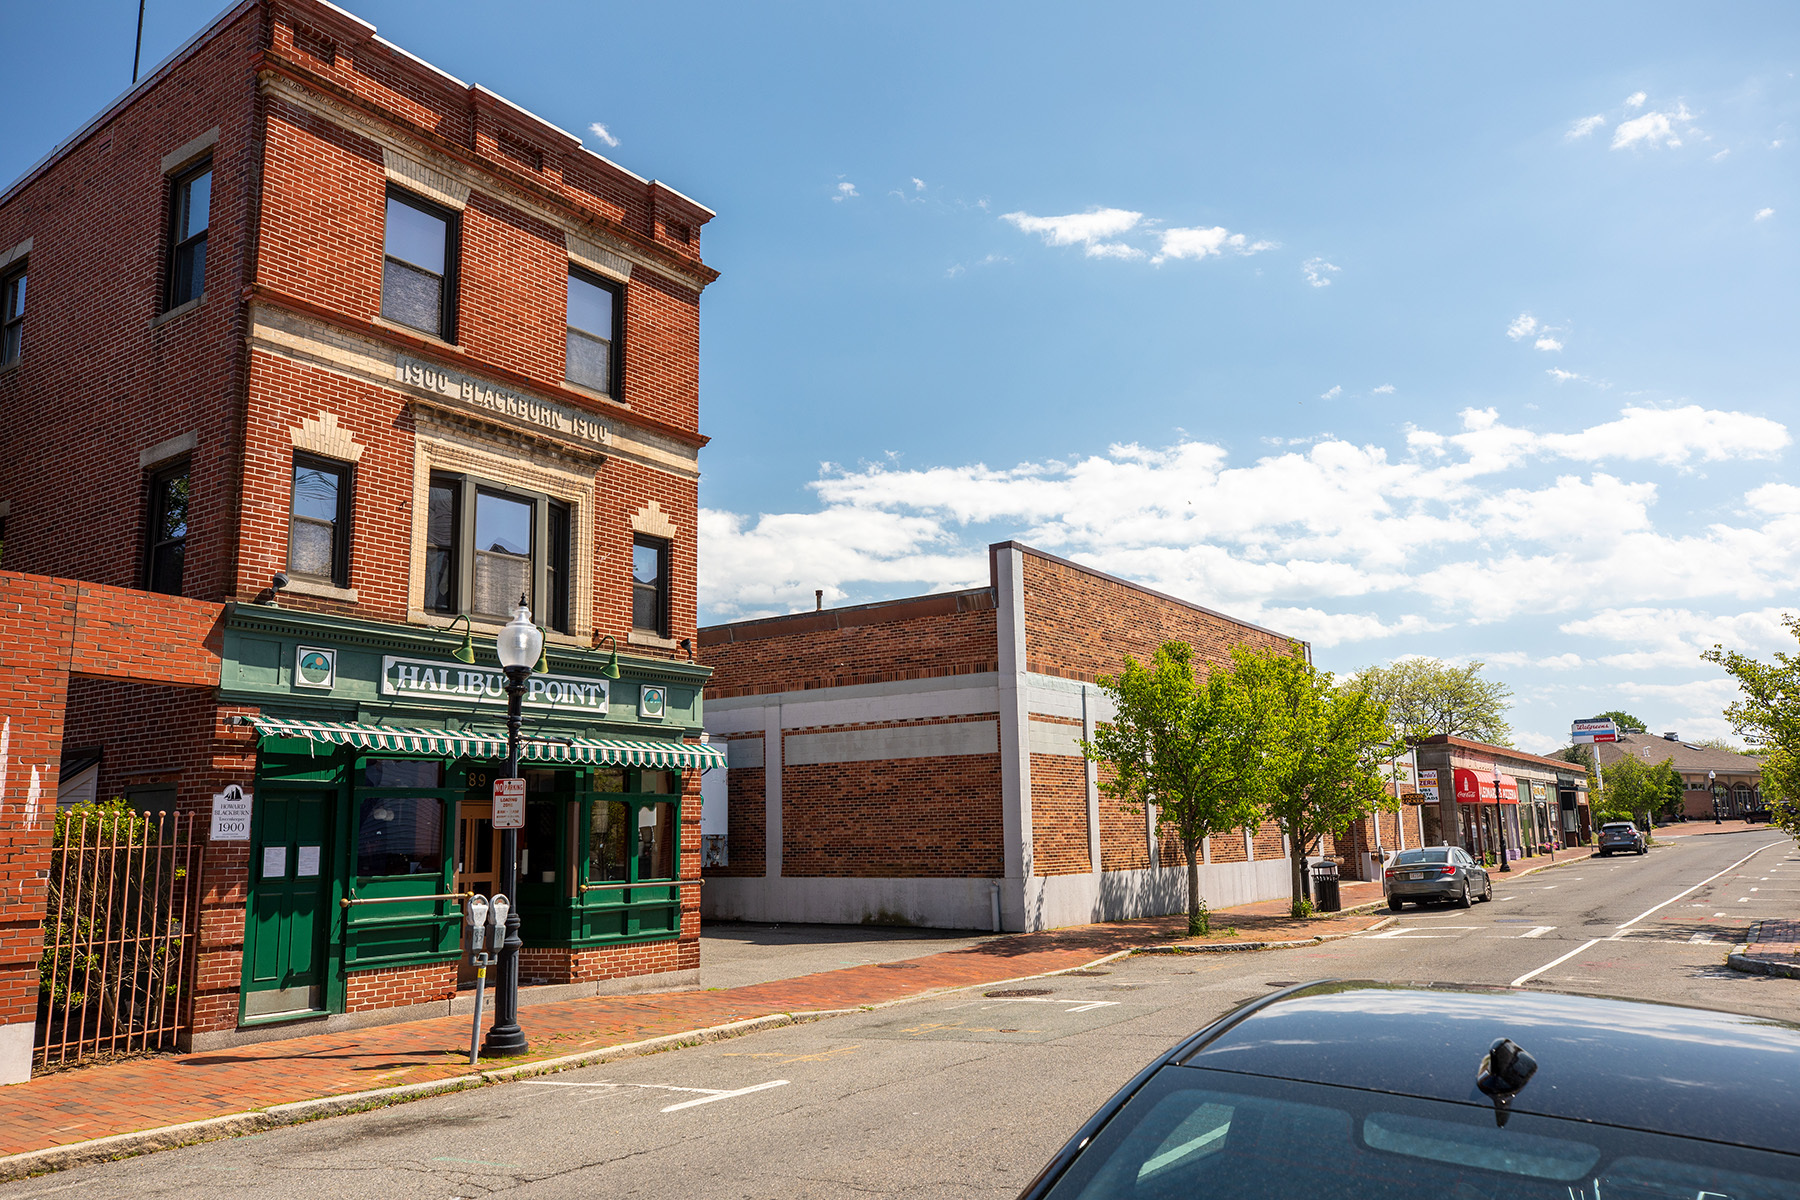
{"type": "Point", "coordinates": [1297, 867]}
{"type": "Point", "coordinates": [1199, 923]}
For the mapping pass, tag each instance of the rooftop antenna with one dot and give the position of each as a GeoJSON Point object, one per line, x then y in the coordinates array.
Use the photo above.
{"type": "Point", "coordinates": [138, 53]}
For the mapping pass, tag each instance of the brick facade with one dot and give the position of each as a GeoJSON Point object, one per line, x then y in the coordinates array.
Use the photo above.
{"type": "Point", "coordinates": [308, 121]}
{"type": "Point", "coordinates": [886, 815]}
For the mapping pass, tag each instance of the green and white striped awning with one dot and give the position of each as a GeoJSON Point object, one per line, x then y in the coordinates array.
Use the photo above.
{"type": "Point", "coordinates": [603, 752]}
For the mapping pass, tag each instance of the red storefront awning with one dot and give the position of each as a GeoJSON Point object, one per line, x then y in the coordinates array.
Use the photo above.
{"type": "Point", "coordinates": [1477, 787]}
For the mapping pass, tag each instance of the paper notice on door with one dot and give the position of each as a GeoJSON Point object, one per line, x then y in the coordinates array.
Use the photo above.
{"type": "Point", "coordinates": [274, 862]}
{"type": "Point", "coordinates": [306, 862]}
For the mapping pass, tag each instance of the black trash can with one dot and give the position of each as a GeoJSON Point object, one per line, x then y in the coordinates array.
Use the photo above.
{"type": "Point", "coordinates": [1325, 886]}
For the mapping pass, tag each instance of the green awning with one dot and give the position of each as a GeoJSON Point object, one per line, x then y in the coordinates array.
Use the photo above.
{"type": "Point", "coordinates": [604, 752]}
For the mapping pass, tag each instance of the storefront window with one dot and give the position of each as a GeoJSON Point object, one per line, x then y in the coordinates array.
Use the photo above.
{"type": "Point", "coordinates": [402, 772]}
{"type": "Point", "coordinates": [400, 835]}
{"type": "Point", "coordinates": [607, 779]}
{"type": "Point", "coordinates": [656, 841]}
{"type": "Point", "coordinates": [608, 842]}
{"type": "Point", "coordinates": [655, 783]}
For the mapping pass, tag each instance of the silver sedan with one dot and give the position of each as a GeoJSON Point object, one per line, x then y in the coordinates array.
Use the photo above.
{"type": "Point", "coordinates": [1434, 873]}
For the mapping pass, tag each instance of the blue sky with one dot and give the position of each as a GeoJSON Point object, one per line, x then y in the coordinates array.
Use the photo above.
{"type": "Point", "coordinates": [1410, 329]}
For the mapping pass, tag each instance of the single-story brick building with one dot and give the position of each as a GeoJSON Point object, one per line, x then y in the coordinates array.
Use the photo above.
{"type": "Point", "coordinates": [915, 761]}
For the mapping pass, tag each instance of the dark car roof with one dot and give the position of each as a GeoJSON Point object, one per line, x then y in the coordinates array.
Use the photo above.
{"type": "Point", "coordinates": [1688, 1071]}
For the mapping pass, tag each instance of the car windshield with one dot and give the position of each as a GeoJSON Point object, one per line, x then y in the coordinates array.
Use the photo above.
{"type": "Point", "coordinates": [1618, 828]}
{"type": "Point", "coordinates": [1195, 1134]}
{"type": "Point", "coordinates": [1436, 854]}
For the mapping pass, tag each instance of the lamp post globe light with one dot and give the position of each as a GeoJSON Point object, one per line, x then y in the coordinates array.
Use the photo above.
{"type": "Point", "coordinates": [520, 644]}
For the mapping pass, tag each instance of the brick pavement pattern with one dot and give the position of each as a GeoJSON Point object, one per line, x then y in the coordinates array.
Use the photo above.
{"type": "Point", "coordinates": [147, 1093]}
{"type": "Point", "coordinates": [1775, 942]}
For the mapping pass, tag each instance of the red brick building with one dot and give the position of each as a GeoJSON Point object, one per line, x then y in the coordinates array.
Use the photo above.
{"type": "Point", "coordinates": [916, 761]}
{"type": "Point", "coordinates": [309, 330]}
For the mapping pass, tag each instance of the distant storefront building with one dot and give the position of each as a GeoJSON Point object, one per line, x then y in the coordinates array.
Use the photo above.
{"type": "Point", "coordinates": [1714, 782]}
{"type": "Point", "coordinates": [916, 761]}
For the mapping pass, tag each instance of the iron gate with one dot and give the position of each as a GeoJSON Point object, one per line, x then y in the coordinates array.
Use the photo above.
{"type": "Point", "coordinates": [119, 933]}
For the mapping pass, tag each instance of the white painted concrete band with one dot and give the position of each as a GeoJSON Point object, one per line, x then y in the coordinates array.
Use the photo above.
{"type": "Point", "coordinates": [859, 704]}
{"type": "Point", "coordinates": [897, 742]}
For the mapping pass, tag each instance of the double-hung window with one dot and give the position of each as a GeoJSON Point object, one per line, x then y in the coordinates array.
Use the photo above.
{"type": "Point", "coordinates": [650, 585]}
{"type": "Point", "coordinates": [190, 214]}
{"type": "Point", "coordinates": [487, 544]}
{"type": "Point", "coordinates": [319, 520]}
{"type": "Point", "coordinates": [166, 543]}
{"type": "Point", "coordinates": [418, 273]}
{"type": "Point", "coordinates": [596, 317]}
{"type": "Point", "coordinates": [12, 314]}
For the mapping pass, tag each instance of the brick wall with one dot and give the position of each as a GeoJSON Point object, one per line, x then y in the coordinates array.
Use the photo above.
{"type": "Point", "coordinates": [1080, 624]}
{"type": "Point", "coordinates": [398, 987]}
{"type": "Point", "coordinates": [1059, 820]}
{"type": "Point", "coordinates": [746, 820]}
{"type": "Point", "coordinates": [923, 638]}
{"type": "Point", "coordinates": [911, 817]}
{"type": "Point", "coordinates": [555, 965]}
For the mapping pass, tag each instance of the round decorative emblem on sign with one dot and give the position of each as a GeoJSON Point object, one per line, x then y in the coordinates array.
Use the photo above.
{"type": "Point", "coordinates": [315, 667]}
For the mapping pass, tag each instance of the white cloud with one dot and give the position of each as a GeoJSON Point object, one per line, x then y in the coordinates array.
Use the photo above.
{"type": "Point", "coordinates": [1652, 129]}
{"type": "Point", "coordinates": [1652, 637]}
{"type": "Point", "coordinates": [1523, 325]}
{"type": "Point", "coordinates": [1763, 214]}
{"type": "Point", "coordinates": [1581, 128]}
{"type": "Point", "coordinates": [918, 184]}
{"type": "Point", "coordinates": [1318, 272]}
{"type": "Point", "coordinates": [600, 131]}
{"type": "Point", "coordinates": [1113, 250]}
{"type": "Point", "coordinates": [1636, 100]}
{"type": "Point", "coordinates": [1721, 155]}
{"type": "Point", "coordinates": [845, 191]}
{"type": "Point", "coordinates": [1333, 394]}
{"type": "Point", "coordinates": [1548, 343]}
{"type": "Point", "coordinates": [1562, 376]}
{"type": "Point", "coordinates": [1088, 228]}
{"type": "Point", "coordinates": [1198, 243]}
{"type": "Point", "coordinates": [1386, 389]}
{"type": "Point", "coordinates": [1333, 540]}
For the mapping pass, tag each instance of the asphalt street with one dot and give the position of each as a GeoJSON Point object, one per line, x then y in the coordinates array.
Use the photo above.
{"type": "Point", "coordinates": [966, 1095]}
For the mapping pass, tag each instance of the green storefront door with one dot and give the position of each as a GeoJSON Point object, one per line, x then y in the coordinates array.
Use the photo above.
{"type": "Point", "coordinates": [290, 891]}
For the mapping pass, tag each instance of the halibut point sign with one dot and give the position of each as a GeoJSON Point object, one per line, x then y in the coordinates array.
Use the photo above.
{"type": "Point", "coordinates": [487, 685]}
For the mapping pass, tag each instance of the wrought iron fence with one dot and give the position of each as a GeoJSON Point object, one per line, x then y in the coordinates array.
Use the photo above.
{"type": "Point", "coordinates": [119, 933]}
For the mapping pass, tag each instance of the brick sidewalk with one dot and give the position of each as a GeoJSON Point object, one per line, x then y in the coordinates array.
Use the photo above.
{"type": "Point", "coordinates": [103, 1100]}
{"type": "Point", "coordinates": [1773, 949]}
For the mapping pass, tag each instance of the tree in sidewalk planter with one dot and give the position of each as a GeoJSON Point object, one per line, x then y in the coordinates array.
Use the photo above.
{"type": "Point", "coordinates": [1427, 696]}
{"type": "Point", "coordinates": [1322, 753]}
{"type": "Point", "coordinates": [1639, 789]}
{"type": "Point", "coordinates": [1186, 744]}
{"type": "Point", "coordinates": [1767, 715]}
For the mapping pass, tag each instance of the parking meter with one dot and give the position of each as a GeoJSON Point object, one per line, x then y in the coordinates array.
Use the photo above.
{"type": "Point", "coordinates": [478, 916]}
{"type": "Point", "coordinates": [499, 906]}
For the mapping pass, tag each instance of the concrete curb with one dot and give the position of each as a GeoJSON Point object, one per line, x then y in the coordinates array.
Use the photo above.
{"type": "Point", "coordinates": [189, 1133]}
{"type": "Point", "coordinates": [1741, 959]}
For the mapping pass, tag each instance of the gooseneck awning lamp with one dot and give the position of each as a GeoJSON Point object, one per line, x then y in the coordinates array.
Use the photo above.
{"type": "Point", "coordinates": [611, 669]}
{"type": "Point", "coordinates": [464, 653]}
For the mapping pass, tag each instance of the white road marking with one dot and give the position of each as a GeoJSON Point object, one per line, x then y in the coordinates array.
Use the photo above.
{"type": "Point", "coordinates": [707, 1095]}
{"type": "Point", "coordinates": [1622, 929]}
{"type": "Point", "coordinates": [1080, 1005]}
{"type": "Point", "coordinates": [1505, 898]}
{"type": "Point", "coordinates": [1700, 939]}
{"type": "Point", "coordinates": [1718, 914]}
{"type": "Point", "coordinates": [1550, 888]}
{"type": "Point", "coordinates": [1553, 962]}
{"type": "Point", "coordinates": [760, 1087]}
{"type": "Point", "coordinates": [1743, 899]}
{"type": "Point", "coordinates": [1411, 934]}
{"type": "Point", "coordinates": [1540, 931]}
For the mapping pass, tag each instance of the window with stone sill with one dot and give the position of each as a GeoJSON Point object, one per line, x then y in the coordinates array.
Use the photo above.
{"type": "Point", "coordinates": [418, 274]}
{"type": "Point", "coordinates": [487, 544]}
{"type": "Point", "coordinates": [650, 585]}
{"type": "Point", "coordinates": [12, 314]}
{"type": "Point", "coordinates": [319, 520]}
{"type": "Point", "coordinates": [190, 216]}
{"type": "Point", "coordinates": [165, 546]}
{"type": "Point", "coordinates": [595, 323]}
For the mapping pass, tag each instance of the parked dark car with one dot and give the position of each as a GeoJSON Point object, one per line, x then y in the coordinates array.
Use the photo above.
{"type": "Point", "coordinates": [1437, 873]}
{"type": "Point", "coordinates": [1374, 1090]}
{"type": "Point", "coordinates": [1621, 837]}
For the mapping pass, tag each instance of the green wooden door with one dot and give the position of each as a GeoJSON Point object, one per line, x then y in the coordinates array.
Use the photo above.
{"type": "Point", "coordinates": [289, 914]}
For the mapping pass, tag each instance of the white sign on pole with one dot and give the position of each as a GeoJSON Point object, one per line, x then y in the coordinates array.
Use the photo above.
{"type": "Point", "coordinates": [1601, 729]}
{"type": "Point", "coordinates": [509, 804]}
{"type": "Point", "coordinates": [1428, 785]}
{"type": "Point", "coordinates": [231, 815]}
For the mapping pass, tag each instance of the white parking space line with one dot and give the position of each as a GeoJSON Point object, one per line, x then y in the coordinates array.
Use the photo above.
{"type": "Point", "coordinates": [1079, 1005]}
{"type": "Point", "coordinates": [707, 1095]}
{"type": "Point", "coordinates": [1700, 939]}
{"type": "Point", "coordinates": [1540, 931]}
{"type": "Point", "coordinates": [1529, 975]}
{"type": "Point", "coordinates": [1411, 932]}
{"type": "Point", "coordinates": [1743, 899]}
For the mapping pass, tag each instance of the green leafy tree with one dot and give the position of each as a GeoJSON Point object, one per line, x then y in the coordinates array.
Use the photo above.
{"type": "Point", "coordinates": [1324, 750]}
{"type": "Point", "coordinates": [1622, 719]}
{"type": "Point", "coordinates": [1635, 789]}
{"type": "Point", "coordinates": [1427, 696]}
{"type": "Point", "coordinates": [1186, 744]}
{"type": "Point", "coordinates": [1767, 715]}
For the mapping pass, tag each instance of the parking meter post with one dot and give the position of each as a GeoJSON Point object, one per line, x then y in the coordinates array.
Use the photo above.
{"type": "Point", "coordinates": [478, 912]}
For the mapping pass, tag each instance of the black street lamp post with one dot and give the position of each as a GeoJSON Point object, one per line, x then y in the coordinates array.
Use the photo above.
{"type": "Point", "coordinates": [519, 645]}
{"type": "Point", "coordinates": [1500, 820]}
{"type": "Point", "coordinates": [1712, 785]}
